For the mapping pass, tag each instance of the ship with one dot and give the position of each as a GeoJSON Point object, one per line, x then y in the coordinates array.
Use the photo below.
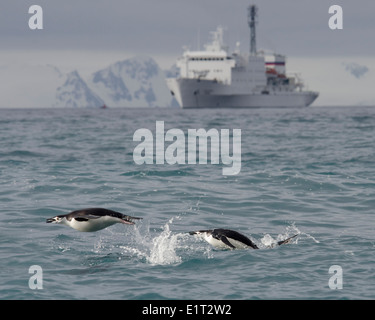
{"type": "Point", "coordinates": [215, 78]}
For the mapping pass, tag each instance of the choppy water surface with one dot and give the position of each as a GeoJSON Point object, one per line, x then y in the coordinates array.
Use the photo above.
{"type": "Point", "coordinates": [307, 171]}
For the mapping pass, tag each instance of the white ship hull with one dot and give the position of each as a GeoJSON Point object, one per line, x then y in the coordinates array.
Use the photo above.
{"type": "Point", "coordinates": [193, 93]}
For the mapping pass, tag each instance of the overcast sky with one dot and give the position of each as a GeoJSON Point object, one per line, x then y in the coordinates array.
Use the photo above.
{"type": "Point", "coordinates": [90, 34]}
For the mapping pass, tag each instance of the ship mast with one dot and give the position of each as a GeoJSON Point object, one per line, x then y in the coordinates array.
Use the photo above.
{"type": "Point", "coordinates": [252, 13]}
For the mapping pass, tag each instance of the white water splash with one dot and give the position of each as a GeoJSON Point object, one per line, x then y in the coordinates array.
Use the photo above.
{"type": "Point", "coordinates": [293, 229]}
{"type": "Point", "coordinates": [162, 249]}
{"type": "Point", "coordinates": [269, 242]}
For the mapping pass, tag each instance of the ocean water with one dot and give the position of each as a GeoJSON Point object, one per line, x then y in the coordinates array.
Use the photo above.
{"type": "Point", "coordinates": [308, 171]}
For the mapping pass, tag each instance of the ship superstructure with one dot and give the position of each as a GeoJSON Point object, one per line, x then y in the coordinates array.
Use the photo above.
{"type": "Point", "coordinates": [214, 78]}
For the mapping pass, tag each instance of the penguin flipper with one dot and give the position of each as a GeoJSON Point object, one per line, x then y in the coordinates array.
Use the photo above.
{"type": "Point", "coordinates": [226, 241]}
{"type": "Point", "coordinates": [86, 218]}
{"type": "Point", "coordinates": [79, 219]}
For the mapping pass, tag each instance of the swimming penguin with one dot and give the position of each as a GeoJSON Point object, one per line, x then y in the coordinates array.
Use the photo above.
{"type": "Point", "coordinates": [230, 239]}
{"type": "Point", "coordinates": [92, 219]}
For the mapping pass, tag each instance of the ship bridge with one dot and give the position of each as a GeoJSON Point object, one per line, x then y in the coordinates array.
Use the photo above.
{"type": "Point", "coordinates": [213, 63]}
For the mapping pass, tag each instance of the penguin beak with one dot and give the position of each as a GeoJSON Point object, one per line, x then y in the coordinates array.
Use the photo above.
{"type": "Point", "coordinates": [128, 219]}
{"type": "Point", "coordinates": [51, 220]}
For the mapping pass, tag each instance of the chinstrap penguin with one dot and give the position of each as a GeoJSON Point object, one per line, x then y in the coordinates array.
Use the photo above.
{"type": "Point", "coordinates": [92, 219]}
{"type": "Point", "coordinates": [230, 239]}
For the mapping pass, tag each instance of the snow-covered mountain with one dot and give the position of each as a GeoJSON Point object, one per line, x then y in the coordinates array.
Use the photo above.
{"type": "Point", "coordinates": [134, 82]}
{"type": "Point", "coordinates": [75, 93]}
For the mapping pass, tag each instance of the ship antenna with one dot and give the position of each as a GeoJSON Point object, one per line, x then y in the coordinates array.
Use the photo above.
{"type": "Point", "coordinates": [252, 13]}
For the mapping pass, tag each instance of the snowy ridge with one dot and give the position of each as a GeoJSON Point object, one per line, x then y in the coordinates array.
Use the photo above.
{"type": "Point", "coordinates": [75, 93]}
{"type": "Point", "coordinates": [134, 83]}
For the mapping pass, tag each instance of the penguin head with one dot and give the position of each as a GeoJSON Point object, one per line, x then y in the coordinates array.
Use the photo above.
{"type": "Point", "coordinates": [201, 232]}
{"type": "Point", "coordinates": [56, 219]}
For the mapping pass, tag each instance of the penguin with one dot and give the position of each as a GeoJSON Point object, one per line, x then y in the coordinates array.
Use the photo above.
{"type": "Point", "coordinates": [92, 219]}
{"type": "Point", "coordinates": [230, 239]}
